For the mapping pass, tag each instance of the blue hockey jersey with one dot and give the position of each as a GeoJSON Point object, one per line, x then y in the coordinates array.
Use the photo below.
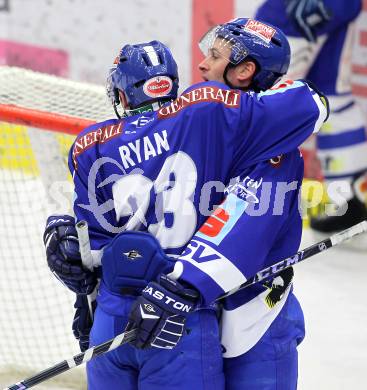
{"type": "Point", "coordinates": [214, 152]}
{"type": "Point", "coordinates": [165, 171]}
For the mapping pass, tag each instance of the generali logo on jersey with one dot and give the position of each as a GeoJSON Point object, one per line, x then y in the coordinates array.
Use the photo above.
{"type": "Point", "coordinates": [100, 135]}
{"type": "Point", "coordinates": [157, 86]}
{"type": "Point", "coordinates": [259, 29]}
{"type": "Point", "coordinates": [230, 98]}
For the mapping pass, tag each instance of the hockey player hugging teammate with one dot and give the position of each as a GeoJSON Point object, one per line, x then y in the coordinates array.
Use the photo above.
{"type": "Point", "coordinates": [147, 182]}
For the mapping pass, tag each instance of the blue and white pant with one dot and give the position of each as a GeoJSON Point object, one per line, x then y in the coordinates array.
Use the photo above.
{"type": "Point", "coordinates": [196, 363]}
{"type": "Point", "coordinates": [272, 364]}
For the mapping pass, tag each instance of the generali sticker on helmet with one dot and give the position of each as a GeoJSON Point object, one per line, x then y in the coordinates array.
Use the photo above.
{"type": "Point", "coordinates": [157, 86]}
{"type": "Point", "coordinates": [259, 29]}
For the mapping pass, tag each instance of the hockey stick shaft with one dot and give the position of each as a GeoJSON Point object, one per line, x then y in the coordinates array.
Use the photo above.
{"type": "Point", "coordinates": [125, 337]}
{"type": "Point", "coordinates": [84, 244]}
{"type": "Point", "coordinates": [76, 360]}
{"type": "Point", "coordinates": [302, 255]}
{"type": "Point", "coordinates": [87, 259]}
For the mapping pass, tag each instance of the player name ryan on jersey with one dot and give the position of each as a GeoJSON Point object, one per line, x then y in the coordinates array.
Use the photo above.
{"type": "Point", "coordinates": [144, 149]}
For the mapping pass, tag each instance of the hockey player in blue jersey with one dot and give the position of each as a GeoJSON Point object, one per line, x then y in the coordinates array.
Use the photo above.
{"type": "Point", "coordinates": [163, 172]}
{"type": "Point", "coordinates": [260, 328]}
{"type": "Point", "coordinates": [320, 33]}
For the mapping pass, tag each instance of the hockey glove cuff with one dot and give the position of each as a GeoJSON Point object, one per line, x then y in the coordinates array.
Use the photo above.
{"type": "Point", "coordinates": [63, 255]}
{"type": "Point", "coordinates": [82, 322]}
{"type": "Point", "coordinates": [159, 314]}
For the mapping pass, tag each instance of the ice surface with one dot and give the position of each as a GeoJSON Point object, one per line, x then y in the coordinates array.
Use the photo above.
{"type": "Point", "coordinates": [332, 288]}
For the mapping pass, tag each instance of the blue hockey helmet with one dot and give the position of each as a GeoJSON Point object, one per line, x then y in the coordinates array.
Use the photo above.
{"type": "Point", "coordinates": [146, 72]}
{"type": "Point", "coordinates": [250, 39]}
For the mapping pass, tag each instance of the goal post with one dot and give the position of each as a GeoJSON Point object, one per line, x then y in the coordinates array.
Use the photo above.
{"type": "Point", "coordinates": [49, 102]}
{"type": "Point", "coordinates": [40, 116]}
{"type": "Point", "coordinates": [43, 120]}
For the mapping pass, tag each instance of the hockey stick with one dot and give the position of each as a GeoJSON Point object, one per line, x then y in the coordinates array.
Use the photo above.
{"type": "Point", "coordinates": [125, 337]}
{"type": "Point", "coordinates": [84, 244]}
{"type": "Point", "coordinates": [76, 360]}
{"type": "Point", "coordinates": [303, 254]}
{"type": "Point", "coordinates": [87, 259]}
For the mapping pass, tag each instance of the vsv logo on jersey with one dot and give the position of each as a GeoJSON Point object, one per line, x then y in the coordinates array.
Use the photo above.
{"type": "Point", "coordinates": [200, 252]}
{"type": "Point", "coordinates": [212, 263]}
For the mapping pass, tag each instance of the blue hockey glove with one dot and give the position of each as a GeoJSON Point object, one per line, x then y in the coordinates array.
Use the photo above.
{"type": "Point", "coordinates": [82, 322]}
{"type": "Point", "coordinates": [160, 313]}
{"type": "Point", "coordinates": [308, 16]}
{"type": "Point", "coordinates": [63, 256]}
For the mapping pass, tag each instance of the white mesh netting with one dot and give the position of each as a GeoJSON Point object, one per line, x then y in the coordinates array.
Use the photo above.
{"type": "Point", "coordinates": [47, 93]}
{"type": "Point", "coordinates": [36, 310]}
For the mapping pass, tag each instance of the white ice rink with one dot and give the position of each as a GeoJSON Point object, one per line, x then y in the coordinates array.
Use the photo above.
{"type": "Point", "coordinates": [332, 289]}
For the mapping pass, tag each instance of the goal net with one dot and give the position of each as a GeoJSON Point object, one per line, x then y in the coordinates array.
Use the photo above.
{"type": "Point", "coordinates": [39, 117]}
